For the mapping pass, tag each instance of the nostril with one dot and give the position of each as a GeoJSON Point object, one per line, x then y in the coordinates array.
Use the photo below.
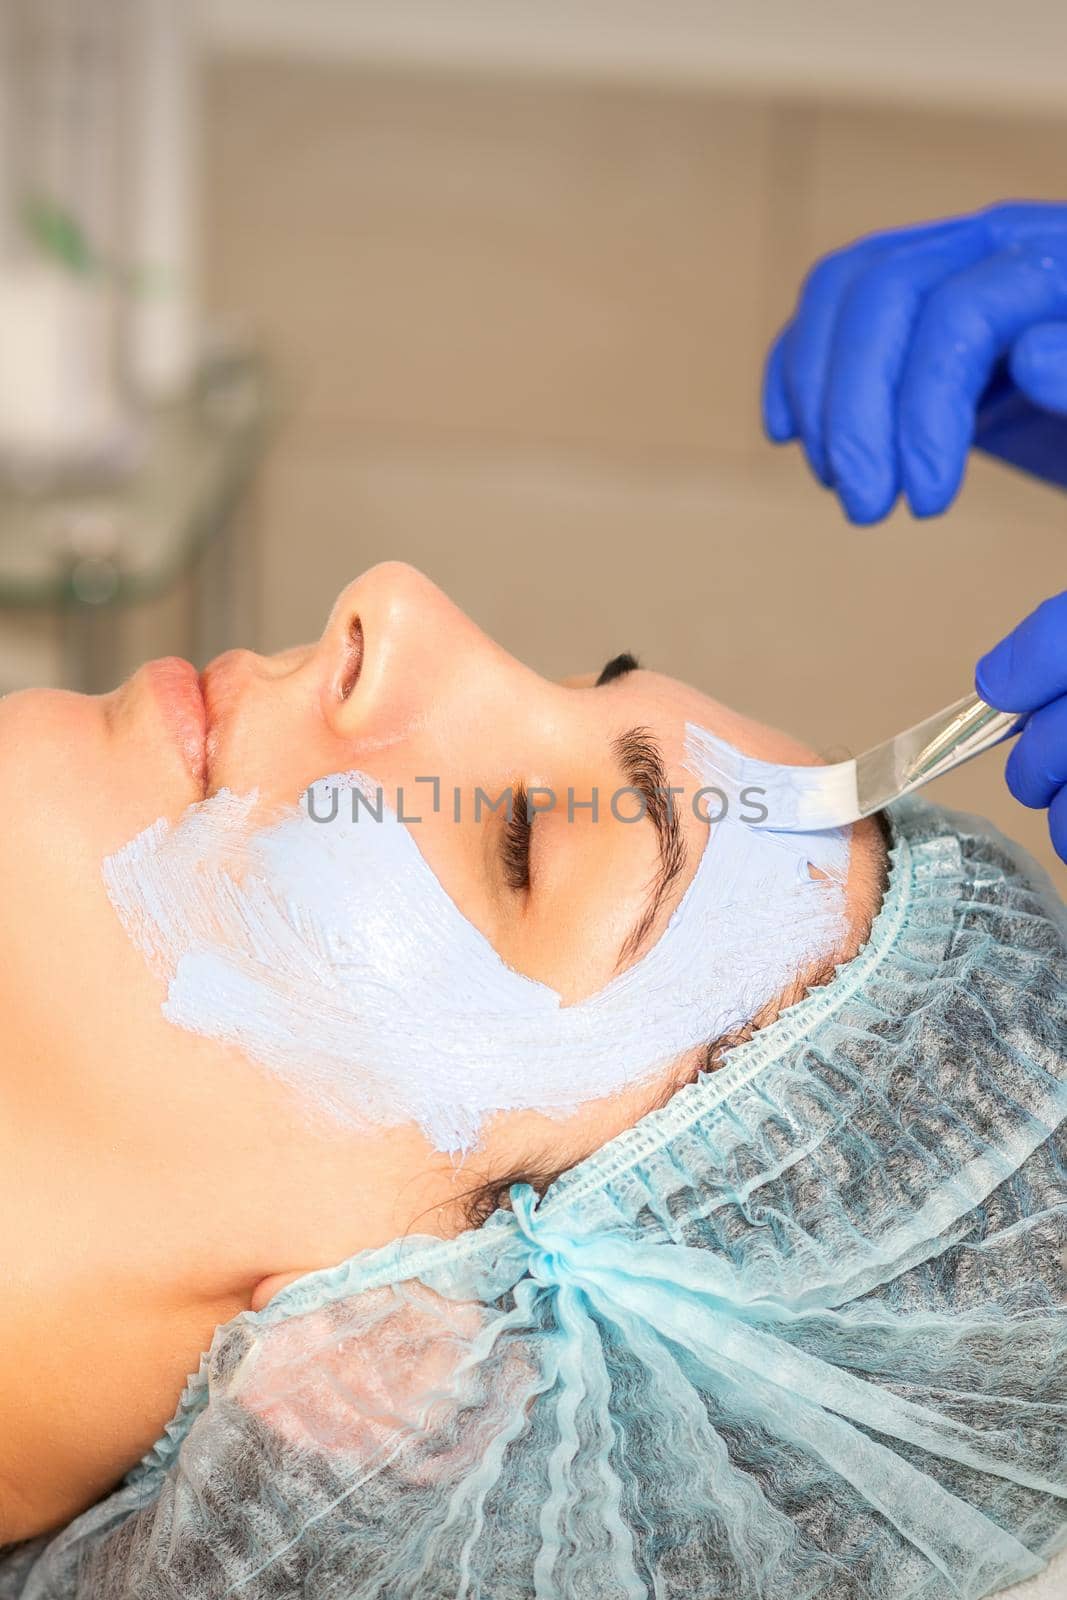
{"type": "Point", "coordinates": [353, 659]}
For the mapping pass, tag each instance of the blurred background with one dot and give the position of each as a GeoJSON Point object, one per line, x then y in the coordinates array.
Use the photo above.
{"type": "Point", "coordinates": [288, 289]}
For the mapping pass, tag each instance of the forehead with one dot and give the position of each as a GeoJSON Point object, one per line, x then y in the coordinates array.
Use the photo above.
{"type": "Point", "coordinates": [666, 704]}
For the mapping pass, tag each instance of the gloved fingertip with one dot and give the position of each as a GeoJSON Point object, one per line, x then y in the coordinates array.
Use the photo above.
{"type": "Point", "coordinates": [817, 461]}
{"type": "Point", "coordinates": [1017, 778]}
{"type": "Point", "coordinates": [931, 469]}
{"type": "Point", "coordinates": [925, 487]}
{"type": "Point", "coordinates": [1038, 365]}
{"type": "Point", "coordinates": [862, 510]}
{"type": "Point", "coordinates": [993, 675]}
{"type": "Point", "coordinates": [778, 423]}
{"type": "Point", "coordinates": [928, 502]}
{"type": "Point", "coordinates": [865, 482]}
{"type": "Point", "coordinates": [779, 430]}
{"type": "Point", "coordinates": [1057, 823]}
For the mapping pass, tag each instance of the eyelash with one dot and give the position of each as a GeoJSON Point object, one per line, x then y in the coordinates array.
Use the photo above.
{"type": "Point", "coordinates": [617, 667]}
{"type": "Point", "coordinates": [516, 848]}
{"type": "Point", "coordinates": [518, 828]}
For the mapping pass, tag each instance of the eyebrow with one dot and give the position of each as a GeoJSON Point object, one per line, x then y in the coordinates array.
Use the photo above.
{"type": "Point", "coordinates": [640, 759]}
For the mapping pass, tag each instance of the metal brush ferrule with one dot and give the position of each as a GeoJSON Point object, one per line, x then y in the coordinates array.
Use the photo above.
{"type": "Point", "coordinates": [955, 735]}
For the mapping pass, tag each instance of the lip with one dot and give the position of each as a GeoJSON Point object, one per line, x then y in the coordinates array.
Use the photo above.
{"type": "Point", "coordinates": [176, 686]}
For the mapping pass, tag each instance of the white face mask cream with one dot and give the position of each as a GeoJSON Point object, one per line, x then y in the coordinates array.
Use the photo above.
{"type": "Point", "coordinates": [331, 955]}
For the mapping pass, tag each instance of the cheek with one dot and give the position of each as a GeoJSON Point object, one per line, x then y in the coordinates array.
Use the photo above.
{"type": "Point", "coordinates": [323, 947]}
{"type": "Point", "coordinates": [331, 955]}
{"type": "Point", "coordinates": [590, 886]}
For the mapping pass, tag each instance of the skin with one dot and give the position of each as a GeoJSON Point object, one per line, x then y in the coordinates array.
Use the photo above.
{"type": "Point", "coordinates": [153, 1183]}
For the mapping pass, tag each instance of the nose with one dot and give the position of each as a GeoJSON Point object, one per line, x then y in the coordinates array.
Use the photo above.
{"type": "Point", "coordinates": [398, 657]}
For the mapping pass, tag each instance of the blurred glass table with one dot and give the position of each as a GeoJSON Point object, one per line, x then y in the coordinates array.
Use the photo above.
{"type": "Point", "coordinates": [83, 553]}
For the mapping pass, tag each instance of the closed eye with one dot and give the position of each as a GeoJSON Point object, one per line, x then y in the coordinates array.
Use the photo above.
{"type": "Point", "coordinates": [518, 828]}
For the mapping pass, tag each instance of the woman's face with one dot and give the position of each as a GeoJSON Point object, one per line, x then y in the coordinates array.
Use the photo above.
{"type": "Point", "coordinates": [155, 1181]}
{"type": "Point", "coordinates": [403, 686]}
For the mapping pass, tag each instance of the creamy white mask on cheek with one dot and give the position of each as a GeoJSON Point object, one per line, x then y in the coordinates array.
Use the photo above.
{"type": "Point", "coordinates": [330, 954]}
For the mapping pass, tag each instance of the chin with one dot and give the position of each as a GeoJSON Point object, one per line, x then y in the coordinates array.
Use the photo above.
{"type": "Point", "coordinates": [67, 777]}
{"type": "Point", "coordinates": [44, 732]}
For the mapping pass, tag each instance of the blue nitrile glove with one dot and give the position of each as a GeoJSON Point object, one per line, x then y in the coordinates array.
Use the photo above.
{"type": "Point", "coordinates": [1027, 671]}
{"type": "Point", "coordinates": [908, 347]}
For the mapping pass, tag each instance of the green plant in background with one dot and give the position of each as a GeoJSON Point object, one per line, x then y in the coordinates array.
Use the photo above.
{"type": "Point", "coordinates": [60, 238]}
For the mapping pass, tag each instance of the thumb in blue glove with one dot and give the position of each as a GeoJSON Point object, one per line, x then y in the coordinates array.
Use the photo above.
{"type": "Point", "coordinates": [1027, 672]}
{"type": "Point", "coordinates": [1039, 365]}
{"type": "Point", "coordinates": [1023, 417]}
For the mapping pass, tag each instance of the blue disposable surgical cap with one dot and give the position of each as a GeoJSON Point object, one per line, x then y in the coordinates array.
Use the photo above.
{"type": "Point", "coordinates": [798, 1333]}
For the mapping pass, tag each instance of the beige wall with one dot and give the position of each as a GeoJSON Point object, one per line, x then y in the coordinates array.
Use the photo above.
{"type": "Point", "coordinates": [519, 327]}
